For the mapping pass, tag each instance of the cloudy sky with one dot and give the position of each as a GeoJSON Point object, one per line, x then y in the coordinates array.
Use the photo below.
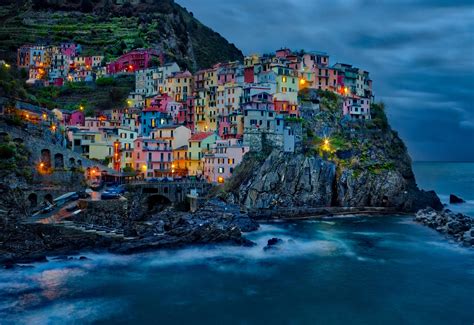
{"type": "Point", "coordinates": [420, 54]}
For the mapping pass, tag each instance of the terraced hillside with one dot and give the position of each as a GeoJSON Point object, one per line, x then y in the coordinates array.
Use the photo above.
{"type": "Point", "coordinates": [112, 27]}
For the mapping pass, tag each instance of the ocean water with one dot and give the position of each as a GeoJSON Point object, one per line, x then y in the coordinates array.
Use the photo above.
{"type": "Point", "coordinates": [350, 270]}
{"type": "Point", "coordinates": [448, 178]}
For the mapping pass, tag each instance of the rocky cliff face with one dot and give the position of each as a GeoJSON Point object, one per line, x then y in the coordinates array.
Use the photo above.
{"type": "Point", "coordinates": [286, 180]}
{"type": "Point", "coordinates": [365, 164]}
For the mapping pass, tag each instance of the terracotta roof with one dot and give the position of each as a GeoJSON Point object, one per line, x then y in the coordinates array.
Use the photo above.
{"type": "Point", "coordinates": [200, 136]}
{"type": "Point", "coordinates": [185, 74]}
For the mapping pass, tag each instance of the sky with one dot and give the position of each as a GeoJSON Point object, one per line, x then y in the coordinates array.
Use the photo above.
{"type": "Point", "coordinates": [420, 54]}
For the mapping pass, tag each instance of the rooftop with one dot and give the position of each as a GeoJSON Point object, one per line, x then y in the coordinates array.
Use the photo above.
{"type": "Point", "coordinates": [200, 136]}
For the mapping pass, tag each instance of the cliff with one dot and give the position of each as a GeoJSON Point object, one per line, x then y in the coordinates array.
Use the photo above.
{"type": "Point", "coordinates": [112, 27]}
{"type": "Point", "coordinates": [362, 164]}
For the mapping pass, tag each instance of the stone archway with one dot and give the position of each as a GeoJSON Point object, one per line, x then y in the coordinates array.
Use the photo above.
{"type": "Point", "coordinates": [72, 162]}
{"type": "Point", "coordinates": [79, 163]}
{"type": "Point", "coordinates": [58, 160]}
{"type": "Point", "coordinates": [33, 199]}
{"type": "Point", "coordinates": [46, 158]}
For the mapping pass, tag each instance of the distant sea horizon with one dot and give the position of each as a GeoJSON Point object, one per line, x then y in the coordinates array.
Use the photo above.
{"type": "Point", "coordinates": [447, 178]}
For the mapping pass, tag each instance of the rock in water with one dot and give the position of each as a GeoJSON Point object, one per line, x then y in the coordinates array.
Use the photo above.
{"type": "Point", "coordinates": [453, 199]}
{"type": "Point", "coordinates": [455, 225]}
{"type": "Point", "coordinates": [273, 243]}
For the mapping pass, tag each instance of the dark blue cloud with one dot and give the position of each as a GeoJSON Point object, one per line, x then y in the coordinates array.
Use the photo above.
{"type": "Point", "coordinates": [420, 54]}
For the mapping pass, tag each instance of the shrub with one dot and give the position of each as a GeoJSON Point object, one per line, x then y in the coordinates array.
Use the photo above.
{"type": "Point", "coordinates": [379, 118]}
{"type": "Point", "coordinates": [7, 151]}
{"type": "Point", "coordinates": [105, 81]}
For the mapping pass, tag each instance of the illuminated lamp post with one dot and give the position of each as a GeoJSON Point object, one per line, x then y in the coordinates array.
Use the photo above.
{"type": "Point", "coordinates": [116, 156]}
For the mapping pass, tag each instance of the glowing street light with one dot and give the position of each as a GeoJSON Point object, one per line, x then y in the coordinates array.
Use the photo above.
{"type": "Point", "coordinates": [53, 128]}
{"type": "Point", "coordinates": [326, 145]}
{"type": "Point", "coordinates": [81, 107]}
{"type": "Point", "coordinates": [302, 82]}
{"type": "Point", "coordinates": [144, 168]}
{"type": "Point", "coordinates": [6, 65]}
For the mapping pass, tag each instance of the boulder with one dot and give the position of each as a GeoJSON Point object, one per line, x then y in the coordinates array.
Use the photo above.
{"type": "Point", "coordinates": [455, 225]}
{"type": "Point", "coordinates": [273, 243]}
{"type": "Point", "coordinates": [454, 199]}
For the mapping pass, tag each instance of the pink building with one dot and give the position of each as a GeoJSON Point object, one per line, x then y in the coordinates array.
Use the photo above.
{"type": "Point", "coordinates": [70, 49]}
{"type": "Point", "coordinates": [224, 157]}
{"type": "Point", "coordinates": [134, 60]}
{"type": "Point", "coordinates": [74, 118]}
{"type": "Point", "coordinates": [160, 102]}
{"type": "Point", "coordinates": [356, 107]}
{"type": "Point", "coordinates": [77, 118]}
{"type": "Point", "coordinates": [153, 157]}
{"type": "Point", "coordinates": [226, 73]}
{"type": "Point", "coordinates": [282, 53]}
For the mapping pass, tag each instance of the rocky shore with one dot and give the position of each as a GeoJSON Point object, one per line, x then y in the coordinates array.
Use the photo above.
{"type": "Point", "coordinates": [214, 223]}
{"type": "Point", "coordinates": [454, 225]}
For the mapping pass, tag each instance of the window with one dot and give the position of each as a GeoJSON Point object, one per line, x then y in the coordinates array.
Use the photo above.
{"type": "Point", "coordinates": [220, 170]}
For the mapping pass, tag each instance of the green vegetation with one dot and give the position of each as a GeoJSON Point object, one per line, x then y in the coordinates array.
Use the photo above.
{"type": "Point", "coordinates": [293, 119]}
{"type": "Point", "coordinates": [14, 159]}
{"type": "Point", "coordinates": [379, 118]}
{"type": "Point", "coordinates": [105, 28]}
{"type": "Point", "coordinates": [128, 170]}
{"type": "Point", "coordinates": [329, 101]}
{"type": "Point", "coordinates": [91, 97]}
{"type": "Point", "coordinates": [12, 81]}
{"type": "Point", "coordinates": [105, 81]}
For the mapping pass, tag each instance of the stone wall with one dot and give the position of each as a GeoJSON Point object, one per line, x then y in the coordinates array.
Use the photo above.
{"type": "Point", "coordinates": [257, 140]}
{"type": "Point", "coordinates": [108, 213]}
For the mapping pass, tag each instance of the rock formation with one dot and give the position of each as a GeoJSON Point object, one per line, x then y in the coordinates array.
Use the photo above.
{"type": "Point", "coordinates": [362, 164]}
{"type": "Point", "coordinates": [455, 225]}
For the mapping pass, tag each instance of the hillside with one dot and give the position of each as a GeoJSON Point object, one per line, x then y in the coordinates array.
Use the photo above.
{"type": "Point", "coordinates": [340, 163]}
{"type": "Point", "coordinates": [112, 27]}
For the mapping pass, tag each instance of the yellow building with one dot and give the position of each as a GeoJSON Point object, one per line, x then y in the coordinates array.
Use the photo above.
{"type": "Point", "coordinates": [199, 144]}
{"type": "Point", "coordinates": [180, 85]}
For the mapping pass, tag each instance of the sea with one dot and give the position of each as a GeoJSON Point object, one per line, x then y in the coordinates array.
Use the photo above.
{"type": "Point", "coordinates": [349, 270]}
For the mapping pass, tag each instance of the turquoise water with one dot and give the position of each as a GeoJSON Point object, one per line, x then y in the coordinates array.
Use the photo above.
{"type": "Point", "coordinates": [351, 270]}
{"type": "Point", "coordinates": [448, 178]}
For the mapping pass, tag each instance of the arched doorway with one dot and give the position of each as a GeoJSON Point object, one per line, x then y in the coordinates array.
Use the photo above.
{"type": "Point", "coordinates": [58, 160]}
{"type": "Point", "coordinates": [72, 162]}
{"type": "Point", "coordinates": [48, 198]}
{"type": "Point", "coordinates": [46, 158]}
{"type": "Point", "coordinates": [33, 199]}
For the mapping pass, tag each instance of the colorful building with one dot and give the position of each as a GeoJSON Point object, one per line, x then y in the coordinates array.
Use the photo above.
{"type": "Point", "coordinates": [224, 157]}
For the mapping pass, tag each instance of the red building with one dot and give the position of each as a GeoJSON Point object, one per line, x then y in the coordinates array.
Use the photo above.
{"type": "Point", "coordinates": [133, 60]}
{"type": "Point", "coordinates": [249, 75]}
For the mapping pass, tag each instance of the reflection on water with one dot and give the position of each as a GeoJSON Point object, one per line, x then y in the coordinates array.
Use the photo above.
{"type": "Point", "coordinates": [354, 270]}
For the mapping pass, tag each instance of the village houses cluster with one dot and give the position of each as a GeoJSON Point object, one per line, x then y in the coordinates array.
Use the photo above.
{"type": "Point", "coordinates": [178, 124]}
